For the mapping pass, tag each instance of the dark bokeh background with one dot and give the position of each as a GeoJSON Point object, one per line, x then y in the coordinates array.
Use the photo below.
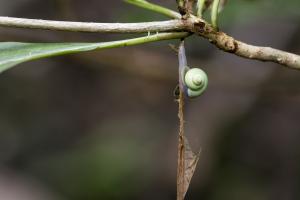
{"type": "Point", "coordinates": [103, 125]}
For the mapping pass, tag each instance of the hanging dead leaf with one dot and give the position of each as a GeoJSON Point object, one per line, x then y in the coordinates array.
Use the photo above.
{"type": "Point", "coordinates": [187, 159]}
{"type": "Point", "coordinates": [191, 160]}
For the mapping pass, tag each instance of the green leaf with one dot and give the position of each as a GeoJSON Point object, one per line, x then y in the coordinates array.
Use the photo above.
{"type": "Point", "coordinates": [13, 53]}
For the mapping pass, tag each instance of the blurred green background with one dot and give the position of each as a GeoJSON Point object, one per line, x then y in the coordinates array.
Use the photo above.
{"type": "Point", "coordinates": [103, 125]}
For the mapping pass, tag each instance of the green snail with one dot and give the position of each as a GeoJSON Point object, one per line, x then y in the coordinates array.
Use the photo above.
{"type": "Point", "coordinates": [192, 81]}
{"type": "Point", "coordinates": [196, 81]}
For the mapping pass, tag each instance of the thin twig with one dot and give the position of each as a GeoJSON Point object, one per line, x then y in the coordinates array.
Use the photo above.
{"type": "Point", "coordinates": [143, 27]}
{"type": "Point", "coordinates": [154, 7]}
{"type": "Point", "coordinates": [181, 149]}
{"type": "Point", "coordinates": [200, 7]}
{"type": "Point", "coordinates": [214, 14]}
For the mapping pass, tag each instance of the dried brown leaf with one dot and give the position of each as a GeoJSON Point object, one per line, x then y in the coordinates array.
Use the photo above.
{"type": "Point", "coordinates": [191, 160]}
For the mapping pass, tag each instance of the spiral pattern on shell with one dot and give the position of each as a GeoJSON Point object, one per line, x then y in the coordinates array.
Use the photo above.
{"type": "Point", "coordinates": [196, 82]}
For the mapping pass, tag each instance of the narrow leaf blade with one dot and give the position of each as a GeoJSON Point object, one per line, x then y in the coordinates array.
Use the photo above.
{"type": "Point", "coordinates": [13, 53]}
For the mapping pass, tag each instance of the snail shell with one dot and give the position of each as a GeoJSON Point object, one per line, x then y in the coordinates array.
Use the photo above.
{"type": "Point", "coordinates": [196, 81]}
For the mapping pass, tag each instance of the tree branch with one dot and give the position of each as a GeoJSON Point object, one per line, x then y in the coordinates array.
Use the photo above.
{"type": "Point", "coordinates": [231, 45]}
{"type": "Point", "coordinates": [268, 54]}
{"type": "Point", "coordinates": [225, 42]}
{"type": "Point", "coordinates": [192, 24]}
{"type": "Point", "coordinates": [143, 27]}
